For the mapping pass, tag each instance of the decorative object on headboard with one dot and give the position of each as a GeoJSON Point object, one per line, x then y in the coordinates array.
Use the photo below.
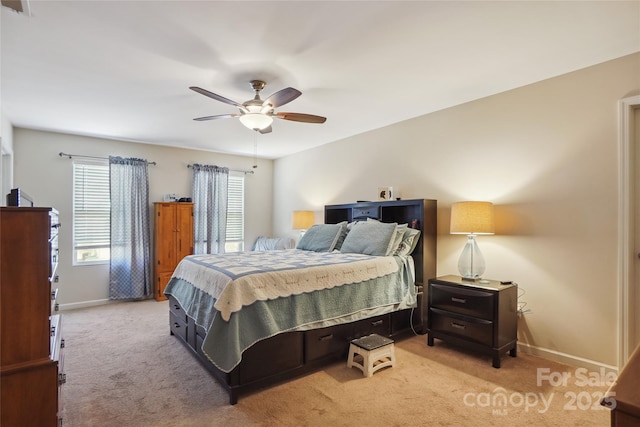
{"type": "Point", "coordinates": [471, 218]}
{"type": "Point", "coordinates": [385, 193]}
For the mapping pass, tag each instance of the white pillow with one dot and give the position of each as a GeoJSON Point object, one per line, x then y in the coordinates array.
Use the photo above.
{"type": "Point", "coordinates": [409, 242]}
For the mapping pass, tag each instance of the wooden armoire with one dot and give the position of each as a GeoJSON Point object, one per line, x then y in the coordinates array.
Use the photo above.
{"type": "Point", "coordinates": [173, 240]}
{"type": "Point", "coordinates": [31, 346]}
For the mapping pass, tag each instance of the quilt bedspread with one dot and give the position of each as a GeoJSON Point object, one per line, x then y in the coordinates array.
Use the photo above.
{"type": "Point", "coordinates": [240, 279]}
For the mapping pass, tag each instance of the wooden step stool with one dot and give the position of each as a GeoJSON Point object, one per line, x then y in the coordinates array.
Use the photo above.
{"type": "Point", "coordinates": [373, 349]}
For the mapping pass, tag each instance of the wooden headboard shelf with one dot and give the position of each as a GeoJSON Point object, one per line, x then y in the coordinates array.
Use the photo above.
{"type": "Point", "coordinates": [420, 214]}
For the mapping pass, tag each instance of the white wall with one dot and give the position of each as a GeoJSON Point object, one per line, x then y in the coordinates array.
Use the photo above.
{"type": "Point", "coordinates": [47, 177]}
{"type": "Point", "coordinates": [545, 154]}
{"type": "Point", "coordinates": [6, 157]}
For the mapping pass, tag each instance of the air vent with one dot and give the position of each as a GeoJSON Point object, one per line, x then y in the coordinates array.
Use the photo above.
{"type": "Point", "coordinates": [20, 6]}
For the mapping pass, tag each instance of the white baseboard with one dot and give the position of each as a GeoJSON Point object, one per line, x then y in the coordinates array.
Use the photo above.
{"type": "Point", "coordinates": [85, 304]}
{"type": "Point", "coordinates": [567, 359]}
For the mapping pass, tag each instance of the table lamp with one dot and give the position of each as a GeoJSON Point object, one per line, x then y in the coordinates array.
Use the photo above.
{"type": "Point", "coordinates": [302, 220]}
{"type": "Point", "coordinates": [471, 218]}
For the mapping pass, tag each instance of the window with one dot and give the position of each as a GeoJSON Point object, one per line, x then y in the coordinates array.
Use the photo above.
{"type": "Point", "coordinates": [235, 214]}
{"type": "Point", "coordinates": [91, 213]}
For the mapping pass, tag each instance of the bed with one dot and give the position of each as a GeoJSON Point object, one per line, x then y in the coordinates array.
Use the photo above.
{"type": "Point", "coordinates": [254, 319]}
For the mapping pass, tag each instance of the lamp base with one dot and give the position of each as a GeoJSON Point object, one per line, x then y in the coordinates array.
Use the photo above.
{"type": "Point", "coordinates": [470, 279]}
{"type": "Point", "coordinates": [471, 263]}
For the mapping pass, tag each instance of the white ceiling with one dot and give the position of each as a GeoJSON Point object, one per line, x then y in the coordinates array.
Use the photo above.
{"type": "Point", "coordinates": [122, 69]}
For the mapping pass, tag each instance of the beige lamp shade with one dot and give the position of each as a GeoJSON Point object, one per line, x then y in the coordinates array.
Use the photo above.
{"type": "Point", "coordinates": [472, 218]}
{"type": "Point", "coordinates": [302, 220]}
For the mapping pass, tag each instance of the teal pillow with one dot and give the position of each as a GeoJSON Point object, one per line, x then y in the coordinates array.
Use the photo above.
{"type": "Point", "coordinates": [370, 238]}
{"type": "Point", "coordinates": [322, 237]}
{"type": "Point", "coordinates": [400, 230]}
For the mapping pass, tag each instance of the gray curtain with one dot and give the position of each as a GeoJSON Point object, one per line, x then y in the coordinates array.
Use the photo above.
{"type": "Point", "coordinates": [130, 266]}
{"type": "Point", "coordinates": [210, 188]}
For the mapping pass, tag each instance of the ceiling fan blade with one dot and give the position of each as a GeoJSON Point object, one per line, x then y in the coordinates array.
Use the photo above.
{"type": "Point", "coordinates": [220, 116]}
{"type": "Point", "coordinates": [299, 117]}
{"type": "Point", "coordinates": [266, 130]}
{"type": "Point", "coordinates": [215, 96]}
{"type": "Point", "coordinates": [282, 97]}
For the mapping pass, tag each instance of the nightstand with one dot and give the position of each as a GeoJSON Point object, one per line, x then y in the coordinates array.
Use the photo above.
{"type": "Point", "coordinates": [478, 316]}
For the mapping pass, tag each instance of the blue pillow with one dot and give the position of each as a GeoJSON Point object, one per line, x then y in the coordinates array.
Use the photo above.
{"type": "Point", "coordinates": [322, 237]}
{"type": "Point", "coordinates": [400, 230]}
{"type": "Point", "coordinates": [370, 238]}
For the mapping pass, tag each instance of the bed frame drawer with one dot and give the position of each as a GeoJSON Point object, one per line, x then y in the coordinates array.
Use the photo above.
{"type": "Point", "coordinates": [334, 340]}
{"type": "Point", "coordinates": [324, 342]}
{"type": "Point", "coordinates": [178, 326]}
{"type": "Point", "coordinates": [280, 353]}
{"type": "Point", "coordinates": [176, 309]}
{"type": "Point", "coordinates": [380, 325]}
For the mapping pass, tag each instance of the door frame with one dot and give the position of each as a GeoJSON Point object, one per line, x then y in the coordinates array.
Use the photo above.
{"type": "Point", "coordinates": [626, 211]}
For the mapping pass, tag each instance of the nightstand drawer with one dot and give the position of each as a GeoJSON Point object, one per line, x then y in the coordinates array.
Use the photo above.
{"type": "Point", "coordinates": [471, 329]}
{"type": "Point", "coordinates": [470, 302]}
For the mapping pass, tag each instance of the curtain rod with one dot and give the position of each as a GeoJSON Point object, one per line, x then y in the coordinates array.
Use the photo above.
{"type": "Point", "coordinates": [61, 154]}
{"type": "Point", "coordinates": [234, 170]}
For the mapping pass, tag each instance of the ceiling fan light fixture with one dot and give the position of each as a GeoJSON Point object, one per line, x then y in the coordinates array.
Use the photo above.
{"type": "Point", "coordinates": [257, 114]}
{"type": "Point", "coordinates": [256, 121]}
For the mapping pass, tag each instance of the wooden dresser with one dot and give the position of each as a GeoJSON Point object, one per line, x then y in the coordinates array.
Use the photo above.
{"type": "Point", "coordinates": [31, 357]}
{"type": "Point", "coordinates": [173, 240]}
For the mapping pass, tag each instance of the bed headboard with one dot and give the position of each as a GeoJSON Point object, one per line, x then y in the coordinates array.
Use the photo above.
{"type": "Point", "coordinates": [420, 214]}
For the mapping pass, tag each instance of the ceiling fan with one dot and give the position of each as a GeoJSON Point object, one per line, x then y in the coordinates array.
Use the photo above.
{"type": "Point", "coordinates": [257, 114]}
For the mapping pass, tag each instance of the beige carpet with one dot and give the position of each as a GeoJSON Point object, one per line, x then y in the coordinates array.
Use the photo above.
{"type": "Point", "coordinates": [124, 369]}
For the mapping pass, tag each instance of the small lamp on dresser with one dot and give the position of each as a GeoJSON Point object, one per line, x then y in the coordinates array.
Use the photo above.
{"type": "Point", "coordinates": [471, 218]}
{"type": "Point", "coordinates": [302, 220]}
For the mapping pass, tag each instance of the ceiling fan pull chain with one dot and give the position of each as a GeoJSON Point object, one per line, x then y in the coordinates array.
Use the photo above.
{"type": "Point", "coordinates": [255, 150]}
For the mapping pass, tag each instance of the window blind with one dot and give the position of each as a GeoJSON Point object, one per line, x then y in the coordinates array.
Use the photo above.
{"type": "Point", "coordinates": [91, 206]}
{"type": "Point", "coordinates": [235, 209]}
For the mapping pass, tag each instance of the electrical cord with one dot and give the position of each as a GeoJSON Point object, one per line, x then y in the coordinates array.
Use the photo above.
{"type": "Point", "coordinates": [411, 322]}
{"type": "Point", "coordinates": [522, 310]}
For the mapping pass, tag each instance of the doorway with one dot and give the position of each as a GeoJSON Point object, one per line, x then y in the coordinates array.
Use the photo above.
{"type": "Point", "coordinates": [629, 228]}
{"type": "Point", "coordinates": [6, 172]}
{"type": "Point", "coordinates": [634, 292]}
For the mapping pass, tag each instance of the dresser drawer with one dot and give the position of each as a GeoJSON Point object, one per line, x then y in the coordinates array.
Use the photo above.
{"type": "Point", "coordinates": [470, 302]}
{"type": "Point", "coordinates": [471, 329]}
